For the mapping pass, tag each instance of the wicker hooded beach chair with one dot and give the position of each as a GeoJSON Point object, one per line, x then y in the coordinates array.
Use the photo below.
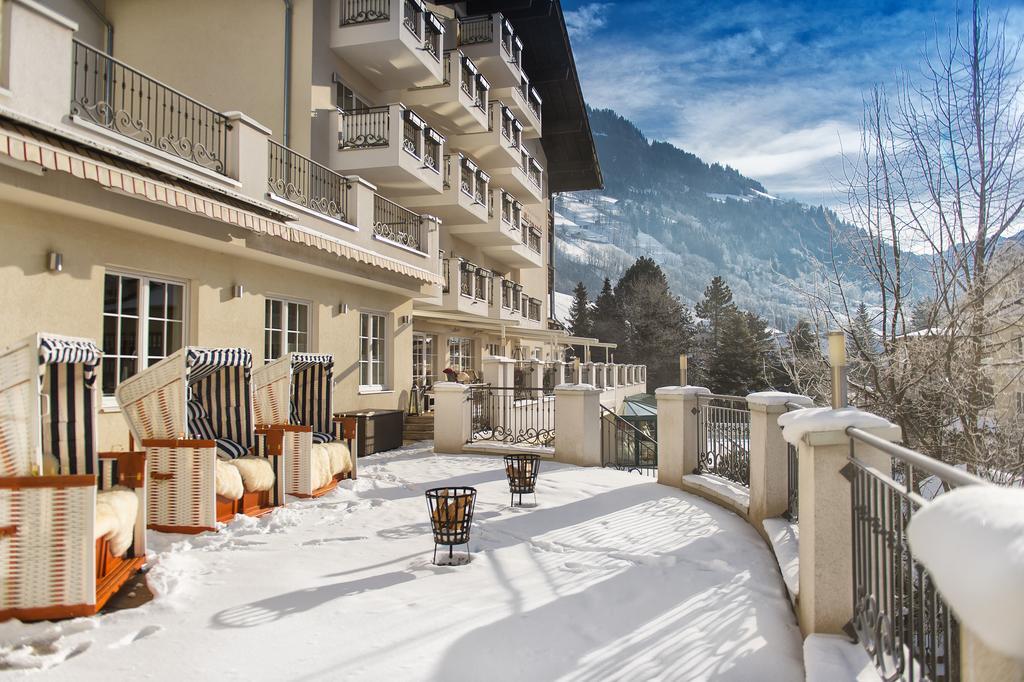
{"type": "Point", "coordinates": [193, 413]}
{"type": "Point", "coordinates": [72, 519]}
{"type": "Point", "coordinates": [293, 396]}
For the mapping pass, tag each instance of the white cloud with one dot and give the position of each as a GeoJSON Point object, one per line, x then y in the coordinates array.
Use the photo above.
{"type": "Point", "coordinates": [588, 18]}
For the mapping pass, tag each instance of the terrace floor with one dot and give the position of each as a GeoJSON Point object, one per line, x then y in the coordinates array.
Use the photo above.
{"type": "Point", "coordinates": [611, 576]}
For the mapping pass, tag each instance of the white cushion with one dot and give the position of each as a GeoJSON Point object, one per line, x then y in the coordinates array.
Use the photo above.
{"type": "Point", "coordinates": [116, 512]}
{"type": "Point", "coordinates": [339, 456]}
{"type": "Point", "coordinates": [257, 474]}
{"type": "Point", "coordinates": [228, 481]}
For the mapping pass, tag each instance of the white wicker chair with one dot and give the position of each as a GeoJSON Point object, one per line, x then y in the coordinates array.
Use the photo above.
{"type": "Point", "coordinates": [51, 563]}
{"type": "Point", "coordinates": [182, 464]}
{"type": "Point", "coordinates": [295, 394]}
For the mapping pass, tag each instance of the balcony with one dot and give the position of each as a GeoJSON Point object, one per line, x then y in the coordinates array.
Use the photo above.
{"type": "Point", "coordinates": [113, 96]}
{"type": "Point", "coordinates": [514, 239]}
{"type": "Point", "coordinates": [500, 146]}
{"type": "Point", "coordinates": [508, 303]}
{"type": "Point", "coordinates": [395, 44]}
{"type": "Point", "coordinates": [465, 198]}
{"type": "Point", "coordinates": [500, 226]}
{"type": "Point", "coordinates": [525, 103]}
{"type": "Point", "coordinates": [399, 226]}
{"type": "Point", "coordinates": [490, 42]}
{"type": "Point", "coordinates": [531, 317]}
{"type": "Point", "coordinates": [461, 100]}
{"type": "Point", "coordinates": [305, 184]}
{"type": "Point", "coordinates": [526, 179]}
{"type": "Point", "coordinates": [391, 147]}
{"type": "Point", "coordinates": [469, 287]}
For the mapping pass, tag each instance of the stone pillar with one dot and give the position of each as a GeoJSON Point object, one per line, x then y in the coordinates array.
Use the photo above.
{"type": "Point", "coordinates": [769, 454]}
{"type": "Point", "coordinates": [578, 424]}
{"type": "Point", "coordinates": [677, 432]}
{"type": "Point", "coordinates": [247, 152]}
{"type": "Point", "coordinates": [611, 375]}
{"type": "Point", "coordinates": [586, 373]}
{"type": "Point", "coordinates": [559, 372]}
{"type": "Point", "coordinates": [452, 422]}
{"type": "Point", "coordinates": [536, 378]}
{"type": "Point", "coordinates": [826, 548]}
{"type": "Point", "coordinates": [499, 371]}
{"type": "Point", "coordinates": [598, 375]}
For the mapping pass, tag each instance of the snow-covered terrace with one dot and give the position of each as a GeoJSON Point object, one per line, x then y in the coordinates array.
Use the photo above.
{"type": "Point", "coordinates": [611, 576]}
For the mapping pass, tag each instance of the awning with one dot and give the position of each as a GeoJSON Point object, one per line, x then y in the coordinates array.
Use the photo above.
{"type": "Point", "coordinates": [56, 153]}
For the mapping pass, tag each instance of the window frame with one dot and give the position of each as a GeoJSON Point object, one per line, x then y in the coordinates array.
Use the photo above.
{"type": "Point", "coordinates": [463, 342]}
{"type": "Point", "coordinates": [285, 331]}
{"type": "Point", "coordinates": [384, 361]}
{"type": "Point", "coordinates": [142, 356]}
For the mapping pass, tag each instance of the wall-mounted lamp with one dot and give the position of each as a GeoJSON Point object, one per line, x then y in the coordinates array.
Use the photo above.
{"type": "Point", "coordinates": [237, 291]}
{"type": "Point", "coordinates": [343, 308]}
{"type": "Point", "coordinates": [55, 261]}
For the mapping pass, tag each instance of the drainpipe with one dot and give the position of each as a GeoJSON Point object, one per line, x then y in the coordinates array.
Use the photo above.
{"type": "Point", "coordinates": [106, 22]}
{"type": "Point", "coordinates": [287, 70]}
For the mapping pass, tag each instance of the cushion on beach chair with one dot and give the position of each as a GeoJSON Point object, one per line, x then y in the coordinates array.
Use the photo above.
{"type": "Point", "coordinates": [320, 437]}
{"type": "Point", "coordinates": [230, 449]}
{"type": "Point", "coordinates": [293, 413]}
{"type": "Point", "coordinates": [338, 455]}
{"type": "Point", "coordinates": [228, 481]}
{"type": "Point", "coordinates": [116, 513]}
{"type": "Point", "coordinates": [199, 424]}
{"type": "Point", "coordinates": [257, 474]}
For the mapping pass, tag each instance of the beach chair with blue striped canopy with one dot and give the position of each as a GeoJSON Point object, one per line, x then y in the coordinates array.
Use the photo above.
{"type": "Point", "coordinates": [293, 396]}
{"type": "Point", "coordinates": [72, 519]}
{"type": "Point", "coordinates": [193, 413]}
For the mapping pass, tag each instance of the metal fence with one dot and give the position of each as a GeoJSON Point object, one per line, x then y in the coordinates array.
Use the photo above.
{"type": "Point", "coordinates": [305, 182]}
{"type": "Point", "coordinates": [723, 438]}
{"type": "Point", "coordinates": [397, 223]}
{"type": "Point", "coordinates": [900, 618]}
{"type": "Point", "coordinates": [364, 11]}
{"type": "Point", "coordinates": [364, 128]}
{"type": "Point", "coordinates": [792, 475]}
{"type": "Point", "coordinates": [511, 415]}
{"type": "Point", "coordinates": [626, 446]}
{"type": "Point", "coordinates": [473, 30]}
{"type": "Point", "coordinates": [113, 95]}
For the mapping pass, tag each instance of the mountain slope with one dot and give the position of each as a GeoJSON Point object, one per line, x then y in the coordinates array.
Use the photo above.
{"type": "Point", "coordinates": [697, 220]}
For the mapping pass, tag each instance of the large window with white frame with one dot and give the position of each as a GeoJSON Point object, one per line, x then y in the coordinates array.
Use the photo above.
{"type": "Point", "coordinates": [460, 353]}
{"type": "Point", "coordinates": [143, 322]}
{"type": "Point", "coordinates": [372, 351]}
{"type": "Point", "coordinates": [285, 328]}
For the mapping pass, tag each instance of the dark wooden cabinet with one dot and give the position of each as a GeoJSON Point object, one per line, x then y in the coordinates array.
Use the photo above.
{"type": "Point", "coordinates": [379, 430]}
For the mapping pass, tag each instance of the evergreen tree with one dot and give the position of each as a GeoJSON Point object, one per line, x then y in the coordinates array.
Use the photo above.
{"type": "Point", "coordinates": [580, 322]}
{"type": "Point", "coordinates": [803, 340]}
{"type": "Point", "coordinates": [715, 306]}
{"type": "Point", "coordinates": [608, 323]}
{"type": "Point", "coordinates": [730, 362]}
{"type": "Point", "coordinates": [658, 327]}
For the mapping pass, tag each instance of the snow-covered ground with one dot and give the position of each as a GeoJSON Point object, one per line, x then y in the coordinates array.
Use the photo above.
{"type": "Point", "coordinates": [611, 576]}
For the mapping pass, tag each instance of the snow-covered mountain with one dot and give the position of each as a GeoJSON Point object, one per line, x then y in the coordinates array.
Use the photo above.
{"type": "Point", "coordinates": [696, 220]}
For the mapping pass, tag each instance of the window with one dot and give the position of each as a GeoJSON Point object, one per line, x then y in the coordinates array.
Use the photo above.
{"type": "Point", "coordinates": [285, 328]}
{"type": "Point", "coordinates": [349, 101]}
{"type": "Point", "coordinates": [423, 360]}
{"type": "Point", "coordinates": [460, 353]}
{"type": "Point", "coordinates": [372, 351]}
{"type": "Point", "coordinates": [494, 349]}
{"type": "Point", "coordinates": [143, 322]}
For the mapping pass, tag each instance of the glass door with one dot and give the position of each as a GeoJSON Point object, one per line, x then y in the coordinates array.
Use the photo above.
{"type": "Point", "coordinates": [424, 355]}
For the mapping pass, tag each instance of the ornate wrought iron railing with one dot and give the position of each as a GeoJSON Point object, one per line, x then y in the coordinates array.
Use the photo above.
{"type": "Point", "coordinates": [474, 30]}
{"type": "Point", "coordinates": [900, 618]}
{"type": "Point", "coordinates": [303, 181]}
{"type": "Point", "coordinates": [364, 11]}
{"type": "Point", "coordinates": [411, 18]}
{"type": "Point", "coordinates": [113, 95]}
{"type": "Point", "coordinates": [364, 128]}
{"type": "Point", "coordinates": [512, 415]}
{"type": "Point", "coordinates": [532, 239]}
{"type": "Point", "coordinates": [398, 224]}
{"type": "Point", "coordinates": [626, 446]}
{"type": "Point", "coordinates": [723, 438]}
{"type": "Point", "coordinates": [533, 309]}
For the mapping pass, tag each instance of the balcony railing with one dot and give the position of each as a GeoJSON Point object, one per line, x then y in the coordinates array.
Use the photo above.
{"type": "Point", "coordinates": [364, 128]}
{"type": "Point", "coordinates": [533, 309]}
{"type": "Point", "coordinates": [398, 224]}
{"type": "Point", "coordinates": [474, 30]}
{"type": "Point", "coordinates": [723, 438]}
{"type": "Point", "coordinates": [113, 95]}
{"type": "Point", "coordinates": [364, 11]}
{"type": "Point", "coordinates": [303, 181]}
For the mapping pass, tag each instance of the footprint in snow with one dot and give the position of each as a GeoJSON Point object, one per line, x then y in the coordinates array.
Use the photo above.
{"type": "Point", "coordinates": [132, 637]}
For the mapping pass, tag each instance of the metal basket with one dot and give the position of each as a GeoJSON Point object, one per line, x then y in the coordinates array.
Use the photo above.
{"type": "Point", "coordinates": [521, 471]}
{"type": "Point", "coordinates": [451, 515]}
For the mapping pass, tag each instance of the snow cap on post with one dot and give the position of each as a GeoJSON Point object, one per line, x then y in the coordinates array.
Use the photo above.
{"type": "Point", "coordinates": [798, 423]}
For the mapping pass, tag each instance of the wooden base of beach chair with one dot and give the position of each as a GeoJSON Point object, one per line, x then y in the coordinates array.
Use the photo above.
{"type": "Point", "coordinates": [112, 572]}
{"type": "Point", "coordinates": [252, 504]}
{"type": "Point", "coordinates": [320, 492]}
{"type": "Point", "coordinates": [49, 612]}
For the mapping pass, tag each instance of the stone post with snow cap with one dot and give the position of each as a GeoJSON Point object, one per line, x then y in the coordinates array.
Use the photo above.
{"type": "Point", "coordinates": [578, 424]}
{"type": "Point", "coordinates": [677, 432]}
{"type": "Point", "coordinates": [825, 601]}
{"type": "Point", "coordinates": [498, 371]}
{"type": "Point", "coordinates": [452, 419]}
{"type": "Point", "coordinates": [769, 454]}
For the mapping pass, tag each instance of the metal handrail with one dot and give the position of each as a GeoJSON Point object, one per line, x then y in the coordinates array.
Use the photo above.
{"type": "Point", "coordinates": [948, 474]}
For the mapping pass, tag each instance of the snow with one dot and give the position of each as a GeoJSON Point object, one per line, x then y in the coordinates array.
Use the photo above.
{"type": "Point", "coordinates": [778, 398]}
{"type": "Point", "coordinates": [971, 540]}
{"type": "Point", "coordinates": [797, 423]}
{"type": "Point", "coordinates": [785, 538]}
{"type": "Point", "coordinates": [563, 304]}
{"type": "Point", "coordinates": [681, 391]}
{"type": "Point", "coordinates": [829, 658]}
{"type": "Point", "coordinates": [730, 492]}
{"type": "Point", "coordinates": [611, 576]}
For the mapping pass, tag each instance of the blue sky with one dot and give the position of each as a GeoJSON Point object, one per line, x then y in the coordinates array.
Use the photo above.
{"type": "Point", "coordinates": [773, 89]}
